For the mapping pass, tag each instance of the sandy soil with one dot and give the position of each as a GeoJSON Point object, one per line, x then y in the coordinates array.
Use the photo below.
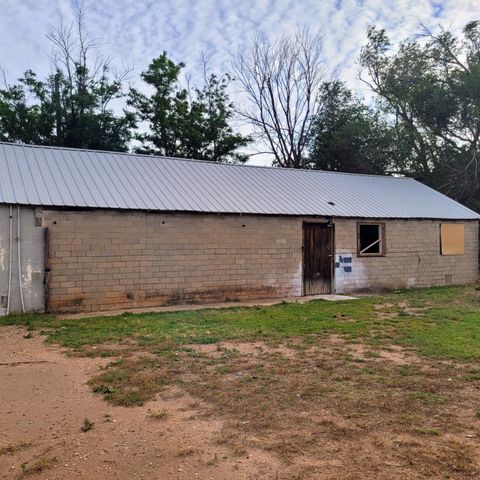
{"type": "Point", "coordinates": [44, 401]}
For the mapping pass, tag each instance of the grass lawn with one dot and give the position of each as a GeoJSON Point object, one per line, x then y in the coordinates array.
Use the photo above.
{"type": "Point", "coordinates": [441, 322]}
{"type": "Point", "coordinates": [393, 376]}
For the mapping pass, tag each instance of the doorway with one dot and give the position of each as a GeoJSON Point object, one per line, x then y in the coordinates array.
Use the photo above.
{"type": "Point", "coordinates": [317, 258]}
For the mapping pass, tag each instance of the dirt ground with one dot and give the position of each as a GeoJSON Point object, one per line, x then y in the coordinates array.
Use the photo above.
{"type": "Point", "coordinates": [234, 410]}
{"type": "Point", "coordinates": [44, 401]}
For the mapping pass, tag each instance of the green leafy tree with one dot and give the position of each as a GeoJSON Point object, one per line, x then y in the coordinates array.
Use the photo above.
{"type": "Point", "coordinates": [347, 135]}
{"type": "Point", "coordinates": [183, 121]}
{"type": "Point", "coordinates": [23, 120]}
{"type": "Point", "coordinates": [430, 86]}
{"type": "Point", "coordinates": [71, 107]}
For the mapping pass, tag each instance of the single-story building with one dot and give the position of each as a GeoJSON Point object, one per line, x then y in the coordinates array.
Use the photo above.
{"type": "Point", "coordinates": [84, 230]}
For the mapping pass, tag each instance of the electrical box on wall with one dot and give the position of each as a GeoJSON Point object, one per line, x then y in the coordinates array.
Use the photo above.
{"type": "Point", "coordinates": [38, 216]}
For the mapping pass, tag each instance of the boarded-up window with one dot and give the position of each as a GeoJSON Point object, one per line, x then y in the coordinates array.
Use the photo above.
{"type": "Point", "coordinates": [452, 238]}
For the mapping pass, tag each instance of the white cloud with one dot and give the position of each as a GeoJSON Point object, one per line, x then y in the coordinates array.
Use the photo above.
{"type": "Point", "coordinates": [136, 31]}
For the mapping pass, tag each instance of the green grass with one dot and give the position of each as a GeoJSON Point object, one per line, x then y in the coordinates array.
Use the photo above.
{"type": "Point", "coordinates": [426, 397]}
{"type": "Point", "coordinates": [441, 322]}
{"type": "Point", "coordinates": [209, 326]}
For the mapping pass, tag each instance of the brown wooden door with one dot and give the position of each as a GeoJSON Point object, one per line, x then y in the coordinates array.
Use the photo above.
{"type": "Point", "coordinates": [317, 258]}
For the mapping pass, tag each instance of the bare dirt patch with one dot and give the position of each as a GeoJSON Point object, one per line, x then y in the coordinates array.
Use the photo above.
{"type": "Point", "coordinates": [45, 402]}
{"type": "Point", "coordinates": [255, 349]}
{"type": "Point", "coordinates": [394, 354]}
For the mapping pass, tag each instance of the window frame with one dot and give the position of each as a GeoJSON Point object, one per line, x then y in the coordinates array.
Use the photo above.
{"type": "Point", "coordinates": [383, 238]}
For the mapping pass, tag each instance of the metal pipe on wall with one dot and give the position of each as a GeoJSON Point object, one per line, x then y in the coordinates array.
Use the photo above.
{"type": "Point", "coordinates": [10, 248]}
{"type": "Point", "coordinates": [19, 260]}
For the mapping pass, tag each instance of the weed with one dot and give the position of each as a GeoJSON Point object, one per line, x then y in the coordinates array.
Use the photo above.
{"type": "Point", "coordinates": [87, 425]}
{"type": "Point", "coordinates": [39, 465]}
{"type": "Point", "coordinates": [106, 390]}
{"type": "Point", "coordinates": [428, 431]}
{"type": "Point", "coordinates": [407, 370]}
{"type": "Point", "coordinates": [473, 375]}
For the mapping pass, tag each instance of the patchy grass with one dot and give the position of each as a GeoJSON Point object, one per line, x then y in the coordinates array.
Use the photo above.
{"type": "Point", "coordinates": [399, 371]}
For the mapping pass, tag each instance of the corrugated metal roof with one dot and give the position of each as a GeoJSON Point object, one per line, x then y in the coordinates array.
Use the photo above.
{"type": "Point", "coordinates": [63, 177]}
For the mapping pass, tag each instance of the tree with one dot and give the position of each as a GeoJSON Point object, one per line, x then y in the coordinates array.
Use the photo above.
{"type": "Point", "coordinates": [431, 89]}
{"type": "Point", "coordinates": [280, 81]}
{"type": "Point", "coordinates": [72, 106]}
{"type": "Point", "coordinates": [22, 120]}
{"type": "Point", "coordinates": [347, 135]}
{"type": "Point", "coordinates": [184, 121]}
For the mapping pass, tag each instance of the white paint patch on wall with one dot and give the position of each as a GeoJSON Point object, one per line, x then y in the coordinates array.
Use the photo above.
{"type": "Point", "coordinates": [350, 273]}
{"type": "Point", "coordinates": [360, 277]}
{"type": "Point", "coordinates": [411, 282]}
{"type": "Point", "coordinates": [27, 275]}
{"type": "Point", "coordinates": [2, 256]}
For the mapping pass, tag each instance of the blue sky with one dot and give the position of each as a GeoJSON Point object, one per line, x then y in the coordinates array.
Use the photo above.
{"type": "Point", "coordinates": [135, 31]}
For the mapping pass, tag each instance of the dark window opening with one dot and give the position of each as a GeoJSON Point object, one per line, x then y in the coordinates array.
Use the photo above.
{"type": "Point", "coordinates": [370, 239]}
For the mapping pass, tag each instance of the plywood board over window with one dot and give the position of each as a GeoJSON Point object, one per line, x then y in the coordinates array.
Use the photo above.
{"type": "Point", "coordinates": [452, 238]}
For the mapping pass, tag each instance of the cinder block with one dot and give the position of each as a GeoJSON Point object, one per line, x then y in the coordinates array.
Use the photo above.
{"type": "Point", "coordinates": [193, 256]}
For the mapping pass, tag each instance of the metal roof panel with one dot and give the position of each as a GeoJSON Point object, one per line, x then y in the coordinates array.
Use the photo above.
{"type": "Point", "coordinates": [65, 177]}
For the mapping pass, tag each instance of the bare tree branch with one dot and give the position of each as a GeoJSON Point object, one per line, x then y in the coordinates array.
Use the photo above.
{"type": "Point", "coordinates": [281, 80]}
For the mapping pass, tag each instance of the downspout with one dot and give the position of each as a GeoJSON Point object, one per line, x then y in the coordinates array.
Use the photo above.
{"type": "Point", "coordinates": [10, 245]}
{"type": "Point", "coordinates": [19, 260]}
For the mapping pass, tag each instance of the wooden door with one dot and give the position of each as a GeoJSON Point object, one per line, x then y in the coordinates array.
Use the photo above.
{"type": "Point", "coordinates": [317, 258]}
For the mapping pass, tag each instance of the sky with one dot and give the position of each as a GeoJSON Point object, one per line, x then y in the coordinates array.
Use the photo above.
{"type": "Point", "coordinates": [133, 32]}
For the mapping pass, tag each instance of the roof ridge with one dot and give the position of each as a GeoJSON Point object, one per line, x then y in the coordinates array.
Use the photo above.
{"type": "Point", "coordinates": [194, 160]}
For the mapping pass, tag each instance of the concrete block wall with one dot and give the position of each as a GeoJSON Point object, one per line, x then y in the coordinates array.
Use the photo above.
{"type": "Point", "coordinates": [412, 257]}
{"type": "Point", "coordinates": [31, 261]}
{"type": "Point", "coordinates": [106, 260]}
{"type": "Point", "coordinates": [103, 260]}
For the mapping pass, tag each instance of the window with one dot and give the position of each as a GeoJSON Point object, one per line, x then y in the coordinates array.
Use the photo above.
{"type": "Point", "coordinates": [452, 238]}
{"type": "Point", "coordinates": [371, 239]}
